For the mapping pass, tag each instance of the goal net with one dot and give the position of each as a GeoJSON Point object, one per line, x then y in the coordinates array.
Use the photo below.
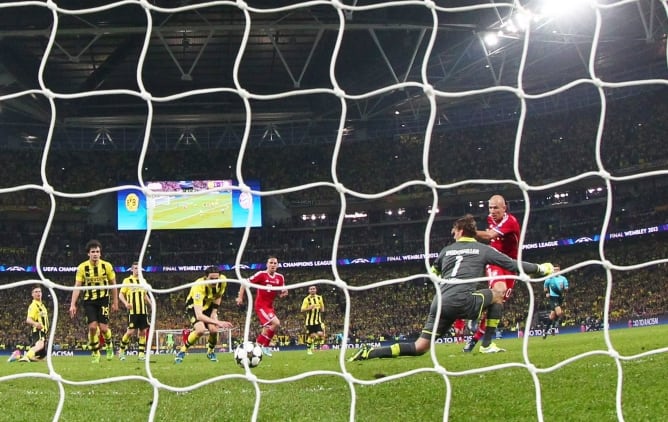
{"type": "Point", "coordinates": [425, 104]}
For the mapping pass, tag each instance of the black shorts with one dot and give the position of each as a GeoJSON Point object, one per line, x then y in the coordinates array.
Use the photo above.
{"type": "Point", "coordinates": [190, 312]}
{"type": "Point", "coordinates": [464, 307]}
{"type": "Point", "coordinates": [97, 310]}
{"type": "Point", "coordinates": [556, 301]}
{"type": "Point", "coordinates": [36, 336]}
{"type": "Point", "coordinates": [315, 328]}
{"type": "Point", "coordinates": [138, 321]}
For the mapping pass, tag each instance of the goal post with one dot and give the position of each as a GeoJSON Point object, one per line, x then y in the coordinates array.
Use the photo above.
{"type": "Point", "coordinates": [162, 340]}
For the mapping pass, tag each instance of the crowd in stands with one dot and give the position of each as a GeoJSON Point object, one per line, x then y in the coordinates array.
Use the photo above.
{"type": "Point", "coordinates": [552, 148]}
{"type": "Point", "coordinates": [640, 207]}
{"type": "Point", "coordinates": [632, 142]}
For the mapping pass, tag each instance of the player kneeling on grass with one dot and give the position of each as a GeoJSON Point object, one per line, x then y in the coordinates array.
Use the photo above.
{"type": "Point", "coordinates": [38, 320]}
{"type": "Point", "coordinates": [202, 308]}
{"type": "Point", "coordinates": [463, 260]}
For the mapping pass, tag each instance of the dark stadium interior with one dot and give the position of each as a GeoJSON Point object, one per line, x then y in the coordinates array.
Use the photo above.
{"type": "Point", "coordinates": [291, 49]}
{"type": "Point", "coordinates": [291, 141]}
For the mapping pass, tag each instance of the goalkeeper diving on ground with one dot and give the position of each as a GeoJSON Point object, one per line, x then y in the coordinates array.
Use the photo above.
{"type": "Point", "coordinates": [465, 259]}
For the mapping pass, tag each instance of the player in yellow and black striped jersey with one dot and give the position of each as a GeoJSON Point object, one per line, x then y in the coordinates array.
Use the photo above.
{"type": "Point", "coordinates": [202, 309]}
{"type": "Point", "coordinates": [136, 300]}
{"type": "Point", "coordinates": [38, 319]}
{"type": "Point", "coordinates": [95, 272]}
{"type": "Point", "coordinates": [314, 306]}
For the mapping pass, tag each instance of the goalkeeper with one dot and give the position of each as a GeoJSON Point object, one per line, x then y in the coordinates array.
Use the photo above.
{"type": "Point", "coordinates": [463, 260]}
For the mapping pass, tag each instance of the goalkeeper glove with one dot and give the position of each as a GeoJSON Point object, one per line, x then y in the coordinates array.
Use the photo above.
{"type": "Point", "coordinates": [545, 268]}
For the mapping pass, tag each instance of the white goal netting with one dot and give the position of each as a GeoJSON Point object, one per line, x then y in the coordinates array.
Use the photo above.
{"type": "Point", "coordinates": [610, 52]}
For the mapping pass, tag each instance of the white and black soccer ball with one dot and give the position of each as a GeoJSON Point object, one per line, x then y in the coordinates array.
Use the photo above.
{"type": "Point", "coordinates": [248, 354]}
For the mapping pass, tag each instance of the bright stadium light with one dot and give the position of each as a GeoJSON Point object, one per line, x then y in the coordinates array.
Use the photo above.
{"type": "Point", "coordinates": [558, 8]}
{"type": "Point", "coordinates": [491, 39]}
{"type": "Point", "coordinates": [521, 20]}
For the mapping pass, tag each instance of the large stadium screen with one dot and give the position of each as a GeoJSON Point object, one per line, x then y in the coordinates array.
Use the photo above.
{"type": "Point", "coordinates": [176, 207]}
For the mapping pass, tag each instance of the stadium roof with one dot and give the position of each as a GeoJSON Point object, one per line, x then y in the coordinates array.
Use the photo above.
{"type": "Point", "coordinates": [268, 48]}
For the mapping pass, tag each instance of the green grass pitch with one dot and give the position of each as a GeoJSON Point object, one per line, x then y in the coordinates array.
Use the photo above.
{"type": "Point", "coordinates": [581, 390]}
{"type": "Point", "coordinates": [195, 211]}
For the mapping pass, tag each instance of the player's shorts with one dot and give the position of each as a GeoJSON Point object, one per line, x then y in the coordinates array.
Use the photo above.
{"type": "Point", "coordinates": [556, 301]}
{"type": "Point", "coordinates": [36, 336]}
{"type": "Point", "coordinates": [97, 310]}
{"type": "Point", "coordinates": [459, 325]}
{"type": "Point", "coordinates": [190, 312]}
{"type": "Point", "coordinates": [496, 275]}
{"type": "Point", "coordinates": [265, 315]}
{"type": "Point", "coordinates": [315, 328]}
{"type": "Point", "coordinates": [138, 321]}
{"type": "Point", "coordinates": [459, 307]}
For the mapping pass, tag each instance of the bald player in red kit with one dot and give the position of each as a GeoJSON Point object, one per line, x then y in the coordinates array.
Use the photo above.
{"type": "Point", "coordinates": [503, 234]}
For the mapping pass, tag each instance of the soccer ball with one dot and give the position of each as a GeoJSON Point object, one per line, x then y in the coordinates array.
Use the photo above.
{"type": "Point", "coordinates": [248, 354]}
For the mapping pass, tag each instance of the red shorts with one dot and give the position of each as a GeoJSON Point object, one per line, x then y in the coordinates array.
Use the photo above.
{"type": "Point", "coordinates": [265, 314]}
{"type": "Point", "coordinates": [459, 325]}
{"type": "Point", "coordinates": [496, 275]}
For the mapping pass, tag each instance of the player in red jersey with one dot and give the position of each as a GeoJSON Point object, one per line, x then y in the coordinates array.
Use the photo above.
{"type": "Point", "coordinates": [264, 302]}
{"type": "Point", "coordinates": [184, 335]}
{"type": "Point", "coordinates": [503, 234]}
{"type": "Point", "coordinates": [459, 326]}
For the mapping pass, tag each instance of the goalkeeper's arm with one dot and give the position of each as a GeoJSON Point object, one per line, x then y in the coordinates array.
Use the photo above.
{"type": "Point", "coordinates": [545, 269]}
{"type": "Point", "coordinates": [539, 270]}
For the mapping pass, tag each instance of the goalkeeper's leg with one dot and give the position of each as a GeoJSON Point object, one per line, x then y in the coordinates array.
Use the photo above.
{"type": "Point", "coordinates": [494, 312]}
{"type": "Point", "coordinates": [493, 300]}
{"type": "Point", "coordinates": [499, 286]}
{"type": "Point", "coordinates": [419, 348]}
{"type": "Point", "coordinates": [421, 345]}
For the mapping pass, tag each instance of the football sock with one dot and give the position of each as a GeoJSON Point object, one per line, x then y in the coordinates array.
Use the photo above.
{"type": "Point", "coordinates": [381, 352]}
{"type": "Point", "coordinates": [494, 312]}
{"type": "Point", "coordinates": [107, 337]}
{"type": "Point", "coordinates": [397, 349]}
{"type": "Point", "coordinates": [93, 341]}
{"type": "Point", "coordinates": [142, 344]}
{"type": "Point", "coordinates": [212, 340]}
{"type": "Point", "coordinates": [264, 338]}
{"type": "Point", "coordinates": [192, 339]}
{"type": "Point", "coordinates": [482, 328]}
{"type": "Point", "coordinates": [125, 342]}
